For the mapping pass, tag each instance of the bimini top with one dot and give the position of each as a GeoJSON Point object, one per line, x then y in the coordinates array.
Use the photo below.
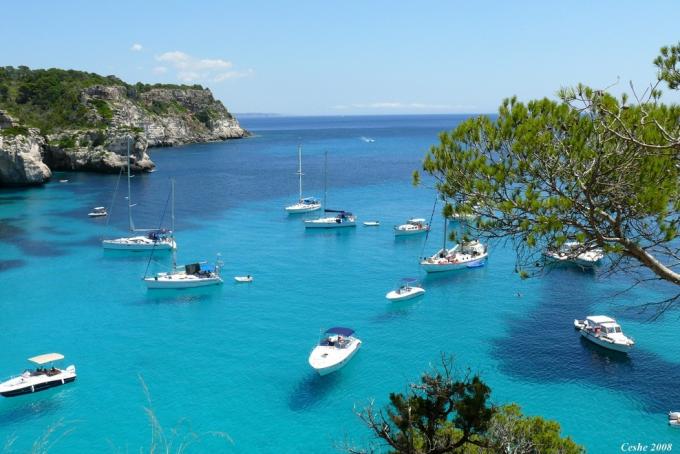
{"type": "Point", "coordinates": [409, 280]}
{"type": "Point", "coordinates": [309, 200]}
{"type": "Point", "coordinates": [417, 220]}
{"type": "Point", "coordinates": [599, 319]}
{"type": "Point", "coordinates": [340, 330]}
{"type": "Point", "coordinates": [46, 358]}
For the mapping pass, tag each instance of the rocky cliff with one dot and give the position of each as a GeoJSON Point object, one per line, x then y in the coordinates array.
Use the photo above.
{"type": "Point", "coordinates": [69, 120]}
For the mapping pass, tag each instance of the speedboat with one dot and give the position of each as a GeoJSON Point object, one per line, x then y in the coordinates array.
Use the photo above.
{"type": "Point", "coordinates": [304, 205]}
{"type": "Point", "coordinates": [335, 349]}
{"type": "Point", "coordinates": [605, 332]}
{"type": "Point", "coordinates": [407, 289]}
{"type": "Point", "coordinates": [576, 253]}
{"type": "Point", "coordinates": [471, 254]}
{"type": "Point", "coordinates": [243, 279]}
{"type": "Point", "coordinates": [674, 418]}
{"type": "Point", "coordinates": [187, 276]}
{"type": "Point", "coordinates": [39, 379]}
{"type": "Point", "coordinates": [154, 239]}
{"type": "Point", "coordinates": [372, 223]}
{"type": "Point", "coordinates": [342, 219]}
{"type": "Point", "coordinates": [97, 212]}
{"type": "Point", "coordinates": [412, 227]}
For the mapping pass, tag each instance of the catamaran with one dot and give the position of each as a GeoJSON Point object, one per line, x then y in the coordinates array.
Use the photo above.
{"type": "Point", "coordinates": [153, 239]}
{"type": "Point", "coordinates": [335, 349]}
{"type": "Point", "coordinates": [467, 254]}
{"type": "Point", "coordinates": [304, 204]}
{"type": "Point", "coordinates": [39, 379]}
{"type": "Point", "coordinates": [342, 218]}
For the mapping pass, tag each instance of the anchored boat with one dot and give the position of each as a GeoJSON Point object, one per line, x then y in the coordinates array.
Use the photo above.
{"type": "Point", "coordinates": [304, 204]}
{"type": "Point", "coordinates": [407, 290]}
{"type": "Point", "coordinates": [605, 332]}
{"type": "Point", "coordinates": [576, 253]}
{"type": "Point", "coordinates": [335, 349]}
{"type": "Point", "coordinates": [341, 219]}
{"type": "Point", "coordinates": [412, 227]}
{"type": "Point", "coordinates": [98, 212]}
{"type": "Point", "coordinates": [40, 378]}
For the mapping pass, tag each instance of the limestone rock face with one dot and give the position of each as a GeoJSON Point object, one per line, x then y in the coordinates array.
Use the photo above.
{"type": "Point", "coordinates": [21, 159]}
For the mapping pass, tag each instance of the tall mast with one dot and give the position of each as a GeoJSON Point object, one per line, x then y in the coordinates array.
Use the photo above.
{"type": "Point", "coordinates": [172, 210]}
{"type": "Point", "coordinates": [300, 168]}
{"type": "Point", "coordinates": [131, 224]}
{"type": "Point", "coordinates": [325, 178]}
{"type": "Point", "coordinates": [446, 222]}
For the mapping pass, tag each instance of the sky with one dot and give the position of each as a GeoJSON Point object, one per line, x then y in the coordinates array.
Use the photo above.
{"type": "Point", "coordinates": [352, 57]}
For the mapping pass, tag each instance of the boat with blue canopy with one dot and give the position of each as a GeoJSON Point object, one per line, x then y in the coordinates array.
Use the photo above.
{"type": "Point", "coordinates": [336, 347]}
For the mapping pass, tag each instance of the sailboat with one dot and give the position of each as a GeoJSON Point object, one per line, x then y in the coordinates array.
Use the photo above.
{"type": "Point", "coordinates": [341, 219]}
{"type": "Point", "coordinates": [152, 239]}
{"type": "Point", "coordinates": [467, 254]}
{"type": "Point", "coordinates": [304, 204]}
{"type": "Point", "coordinates": [193, 275]}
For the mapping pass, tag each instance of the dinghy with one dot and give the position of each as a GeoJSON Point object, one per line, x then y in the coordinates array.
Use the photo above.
{"type": "Point", "coordinates": [243, 279]}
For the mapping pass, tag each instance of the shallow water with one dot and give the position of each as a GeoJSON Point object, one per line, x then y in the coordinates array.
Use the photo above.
{"type": "Point", "coordinates": [233, 359]}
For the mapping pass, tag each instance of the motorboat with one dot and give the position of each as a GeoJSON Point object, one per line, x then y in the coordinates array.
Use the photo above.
{"type": "Point", "coordinates": [243, 279]}
{"type": "Point", "coordinates": [674, 418]}
{"type": "Point", "coordinates": [407, 290]}
{"type": "Point", "coordinates": [341, 219]}
{"type": "Point", "coordinates": [412, 227]}
{"type": "Point", "coordinates": [149, 239]}
{"type": "Point", "coordinates": [186, 276]}
{"type": "Point", "coordinates": [40, 378]}
{"type": "Point", "coordinates": [576, 253]}
{"type": "Point", "coordinates": [154, 239]}
{"type": "Point", "coordinates": [63, 181]}
{"type": "Point", "coordinates": [372, 223]}
{"type": "Point", "coordinates": [367, 139]}
{"type": "Point", "coordinates": [336, 347]}
{"type": "Point", "coordinates": [605, 332]}
{"type": "Point", "coordinates": [304, 204]}
{"type": "Point", "coordinates": [98, 212]}
{"type": "Point", "coordinates": [470, 254]}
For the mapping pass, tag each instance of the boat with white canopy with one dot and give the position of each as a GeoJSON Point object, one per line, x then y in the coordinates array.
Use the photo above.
{"type": "Point", "coordinates": [98, 212]}
{"type": "Point", "coordinates": [576, 253]}
{"type": "Point", "coordinates": [341, 218]}
{"type": "Point", "coordinates": [304, 204]}
{"type": "Point", "coordinates": [336, 347]}
{"type": "Point", "coordinates": [151, 239]}
{"type": "Point", "coordinates": [408, 289]}
{"type": "Point", "coordinates": [412, 227]}
{"type": "Point", "coordinates": [40, 378]}
{"type": "Point", "coordinates": [605, 332]}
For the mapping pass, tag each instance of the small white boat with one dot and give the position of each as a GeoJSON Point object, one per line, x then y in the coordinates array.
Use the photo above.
{"type": "Point", "coordinates": [247, 278]}
{"type": "Point", "coordinates": [674, 418]}
{"type": "Point", "coordinates": [471, 254]}
{"type": "Point", "coordinates": [605, 332]}
{"type": "Point", "coordinates": [304, 204]}
{"type": "Point", "coordinates": [372, 223]}
{"type": "Point", "coordinates": [342, 219]}
{"type": "Point", "coordinates": [367, 139]}
{"type": "Point", "coordinates": [576, 253]}
{"type": "Point", "coordinates": [335, 349]}
{"type": "Point", "coordinates": [188, 276]}
{"type": "Point", "coordinates": [97, 212]}
{"type": "Point", "coordinates": [407, 290]}
{"type": "Point", "coordinates": [412, 227]}
{"type": "Point", "coordinates": [40, 379]}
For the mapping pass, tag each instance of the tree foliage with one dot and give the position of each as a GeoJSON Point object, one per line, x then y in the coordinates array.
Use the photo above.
{"type": "Point", "coordinates": [443, 414]}
{"type": "Point", "coordinates": [588, 166]}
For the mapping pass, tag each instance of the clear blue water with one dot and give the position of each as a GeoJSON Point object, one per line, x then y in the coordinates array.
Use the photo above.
{"type": "Point", "coordinates": [233, 359]}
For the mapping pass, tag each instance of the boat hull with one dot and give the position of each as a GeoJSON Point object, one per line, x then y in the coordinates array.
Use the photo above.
{"type": "Point", "coordinates": [37, 387]}
{"type": "Point", "coordinates": [178, 283]}
{"type": "Point", "coordinates": [624, 348]}
{"type": "Point", "coordinates": [294, 209]}
{"type": "Point", "coordinates": [443, 266]}
{"type": "Point", "coordinates": [327, 369]}
{"type": "Point", "coordinates": [32, 383]}
{"type": "Point", "coordinates": [138, 246]}
{"type": "Point", "coordinates": [398, 232]}
{"type": "Point", "coordinates": [329, 224]}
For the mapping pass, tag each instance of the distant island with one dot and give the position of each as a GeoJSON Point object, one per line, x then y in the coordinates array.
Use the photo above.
{"type": "Point", "coordinates": [55, 119]}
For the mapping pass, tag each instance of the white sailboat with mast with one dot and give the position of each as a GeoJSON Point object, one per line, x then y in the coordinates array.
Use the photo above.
{"type": "Point", "coordinates": [466, 254]}
{"type": "Point", "coordinates": [304, 204]}
{"type": "Point", "coordinates": [152, 239]}
{"type": "Point", "coordinates": [341, 219]}
{"type": "Point", "coordinates": [199, 274]}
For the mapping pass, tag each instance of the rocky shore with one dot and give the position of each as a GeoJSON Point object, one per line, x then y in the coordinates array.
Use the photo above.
{"type": "Point", "coordinates": [153, 116]}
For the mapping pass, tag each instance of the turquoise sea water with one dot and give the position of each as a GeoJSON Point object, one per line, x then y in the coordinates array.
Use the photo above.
{"type": "Point", "coordinates": [233, 359]}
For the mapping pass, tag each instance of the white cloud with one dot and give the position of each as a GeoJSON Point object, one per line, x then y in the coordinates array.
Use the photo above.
{"type": "Point", "coordinates": [136, 47]}
{"type": "Point", "coordinates": [191, 69]}
{"type": "Point", "coordinates": [160, 70]}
